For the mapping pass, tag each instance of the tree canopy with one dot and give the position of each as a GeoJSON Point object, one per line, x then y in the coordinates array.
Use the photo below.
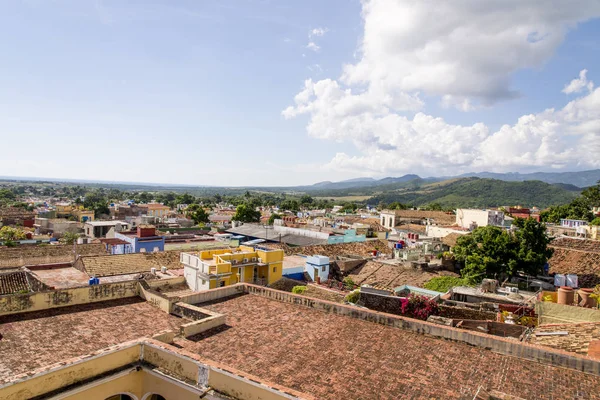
{"type": "Point", "coordinates": [245, 213]}
{"type": "Point", "coordinates": [494, 252]}
{"type": "Point", "coordinates": [197, 213]}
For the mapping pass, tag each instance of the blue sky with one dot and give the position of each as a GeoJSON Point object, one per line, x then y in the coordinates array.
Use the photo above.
{"type": "Point", "coordinates": [195, 92]}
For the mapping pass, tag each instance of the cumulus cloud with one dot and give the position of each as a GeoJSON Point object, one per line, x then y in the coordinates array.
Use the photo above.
{"type": "Point", "coordinates": [577, 85]}
{"type": "Point", "coordinates": [313, 46]}
{"type": "Point", "coordinates": [465, 49]}
{"type": "Point", "coordinates": [464, 53]}
{"type": "Point", "coordinates": [313, 33]}
{"type": "Point", "coordinates": [389, 142]}
{"type": "Point", "coordinates": [317, 32]}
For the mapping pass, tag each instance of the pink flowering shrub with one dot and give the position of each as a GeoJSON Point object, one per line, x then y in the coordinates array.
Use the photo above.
{"type": "Point", "coordinates": [420, 307]}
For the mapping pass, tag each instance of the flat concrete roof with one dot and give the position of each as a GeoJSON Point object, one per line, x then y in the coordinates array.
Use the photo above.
{"type": "Point", "coordinates": [336, 357]}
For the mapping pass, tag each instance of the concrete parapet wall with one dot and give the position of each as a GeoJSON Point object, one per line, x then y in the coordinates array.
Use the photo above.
{"type": "Point", "coordinates": [20, 303]}
{"type": "Point", "coordinates": [196, 327]}
{"type": "Point", "coordinates": [213, 294]}
{"type": "Point", "coordinates": [155, 298]}
{"type": "Point", "coordinates": [202, 319]}
{"type": "Point", "coordinates": [500, 345]}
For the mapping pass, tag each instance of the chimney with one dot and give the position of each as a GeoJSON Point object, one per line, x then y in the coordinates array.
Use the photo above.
{"type": "Point", "coordinates": [146, 231]}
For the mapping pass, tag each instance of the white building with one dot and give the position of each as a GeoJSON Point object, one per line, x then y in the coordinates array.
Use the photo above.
{"type": "Point", "coordinates": [317, 266]}
{"type": "Point", "coordinates": [473, 218]}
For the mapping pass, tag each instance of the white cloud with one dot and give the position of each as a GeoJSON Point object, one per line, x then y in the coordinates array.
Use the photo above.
{"type": "Point", "coordinates": [317, 32]}
{"type": "Point", "coordinates": [313, 46]}
{"type": "Point", "coordinates": [392, 143]}
{"type": "Point", "coordinates": [577, 85]}
{"type": "Point", "coordinates": [465, 49]}
{"type": "Point", "coordinates": [464, 53]}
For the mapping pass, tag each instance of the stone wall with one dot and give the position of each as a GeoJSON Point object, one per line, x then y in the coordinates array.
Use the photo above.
{"type": "Point", "coordinates": [466, 313]}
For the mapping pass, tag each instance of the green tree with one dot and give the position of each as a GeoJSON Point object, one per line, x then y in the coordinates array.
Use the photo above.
{"type": "Point", "coordinates": [69, 237]}
{"type": "Point", "coordinates": [595, 221]}
{"type": "Point", "coordinates": [397, 206]}
{"type": "Point", "coordinates": [592, 195]}
{"type": "Point", "coordinates": [273, 217]}
{"type": "Point", "coordinates": [198, 214]}
{"type": "Point", "coordinates": [10, 234]}
{"type": "Point", "coordinates": [532, 246]}
{"type": "Point", "coordinates": [185, 198]}
{"type": "Point", "coordinates": [245, 213]}
{"type": "Point", "coordinates": [493, 252]}
{"type": "Point", "coordinates": [290, 205]}
{"type": "Point", "coordinates": [306, 200]}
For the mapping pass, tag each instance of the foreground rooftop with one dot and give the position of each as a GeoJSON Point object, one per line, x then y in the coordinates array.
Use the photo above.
{"type": "Point", "coordinates": [36, 339]}
{"type": "Point", "coordinates": [337, 357]}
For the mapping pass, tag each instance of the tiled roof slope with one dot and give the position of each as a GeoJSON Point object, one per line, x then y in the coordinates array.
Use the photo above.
{"type": "Point", "coordinates": [128, 263]}
{"type": "Point", "coordinates": [387, 276]}
{"type": "Point", "coordinates": [45, 254]}
{"type": "Point", "coordinates": [13, 282]}
{"type": "Point", "coordinates": [577, 340]}
{"type": "Point", "coordinates": [576, 256]}
{"type": "Point", "coordinates": [439, 217]}
{"type": "Point", "coordinates": [331, 250]}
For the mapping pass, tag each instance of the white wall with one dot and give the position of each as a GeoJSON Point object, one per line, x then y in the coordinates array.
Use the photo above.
{"type": "Point", "coordinates": [466, 217]}
{"type": "Point", "coordinates": [440, 231]}
{"type": "Point", "coordinates": [302, 232]}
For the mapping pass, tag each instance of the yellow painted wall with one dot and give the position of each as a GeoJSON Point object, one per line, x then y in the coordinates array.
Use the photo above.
{"type": "Point", "coordinates": [275, 276]}
{"type": "Point", "coordinates": [132, 384]}
{"type": "Point", "coordinates": [13, 304]}
{"type": "Point", "coordinates": [166, 388]}
{"type": "Point", "coordinates": [39, 385]}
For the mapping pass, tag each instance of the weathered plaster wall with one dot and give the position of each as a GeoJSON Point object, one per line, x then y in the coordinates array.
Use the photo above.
{"type": "Point", "coordinates": [13, 304]}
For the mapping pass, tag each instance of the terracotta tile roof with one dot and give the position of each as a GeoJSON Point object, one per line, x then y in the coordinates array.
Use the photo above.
{"type": "Point", "coordinates": [49, 254]}
{"type": "Point", "coordinates": [122, 264]}
{"type": "Point", "coordinates": [577, 341]}
{"type": "Point", "coordinates": [450, 239]}
{"type": "Point", "coordinates": [412, 227]}
{"type": "Point", "coordinates": [387, 276]}
{"type": "Point", "coordinates": [330, 356]}
{"type": "Point", "coordinates": [364, 249]}
{"type": "Point", "coordinates": [42, 338]}
{"type": "Point", "coordinates": [574, 256]}
{"type": "Point", "coordinates": [439, 217]}
{"type": "Point", "coordinates": [13, 282]}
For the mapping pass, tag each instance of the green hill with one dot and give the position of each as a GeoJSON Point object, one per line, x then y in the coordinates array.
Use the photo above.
{"type": "Point", "coordinates": [479, 193]}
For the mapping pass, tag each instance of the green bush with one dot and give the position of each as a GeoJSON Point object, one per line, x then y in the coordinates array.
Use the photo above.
{"type": "Point", "coordinates": [445, 283]}
{"type": "Point", "coordinates": [352, 297]}
{"type": "Point", "coordinates": [349, 283]}
{"type": "Point", "coordinates": [299, 289]}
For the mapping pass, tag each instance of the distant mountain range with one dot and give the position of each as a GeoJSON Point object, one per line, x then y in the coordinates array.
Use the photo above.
{"type": "Point", "coordinates": [574, 180]}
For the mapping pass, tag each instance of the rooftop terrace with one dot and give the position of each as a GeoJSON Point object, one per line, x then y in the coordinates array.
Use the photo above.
{"type": "Point", "coordinates": [36, 339]}
{"type": "Point", "coordinates": [337, 357]}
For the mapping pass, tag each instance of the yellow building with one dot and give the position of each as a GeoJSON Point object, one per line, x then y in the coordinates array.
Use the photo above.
{"type": "Point", "coordinates": [83, 215]}
{"type": "Point", "coordinates": [79, 213]}
{"type": "Point", "coordinates": [156, 210]}
{"type": "Point", "coordinates": [210, 269]}
{"type": "Point", "coordinates": [64, 210]}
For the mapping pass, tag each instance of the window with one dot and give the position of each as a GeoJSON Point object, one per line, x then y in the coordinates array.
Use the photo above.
{"type": "Point", "coordinates": [120, 397]}
{"type": "Point", "coordinates": [222, 284]}
{"type": "Point", "coordinates": [323, 268]}
{"type": "Point", "coordinates": [203, 282]}
{"type": "Point", "coordinates": [155, 397]}
{"type": "Point", "coordinates": [274, 269]}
